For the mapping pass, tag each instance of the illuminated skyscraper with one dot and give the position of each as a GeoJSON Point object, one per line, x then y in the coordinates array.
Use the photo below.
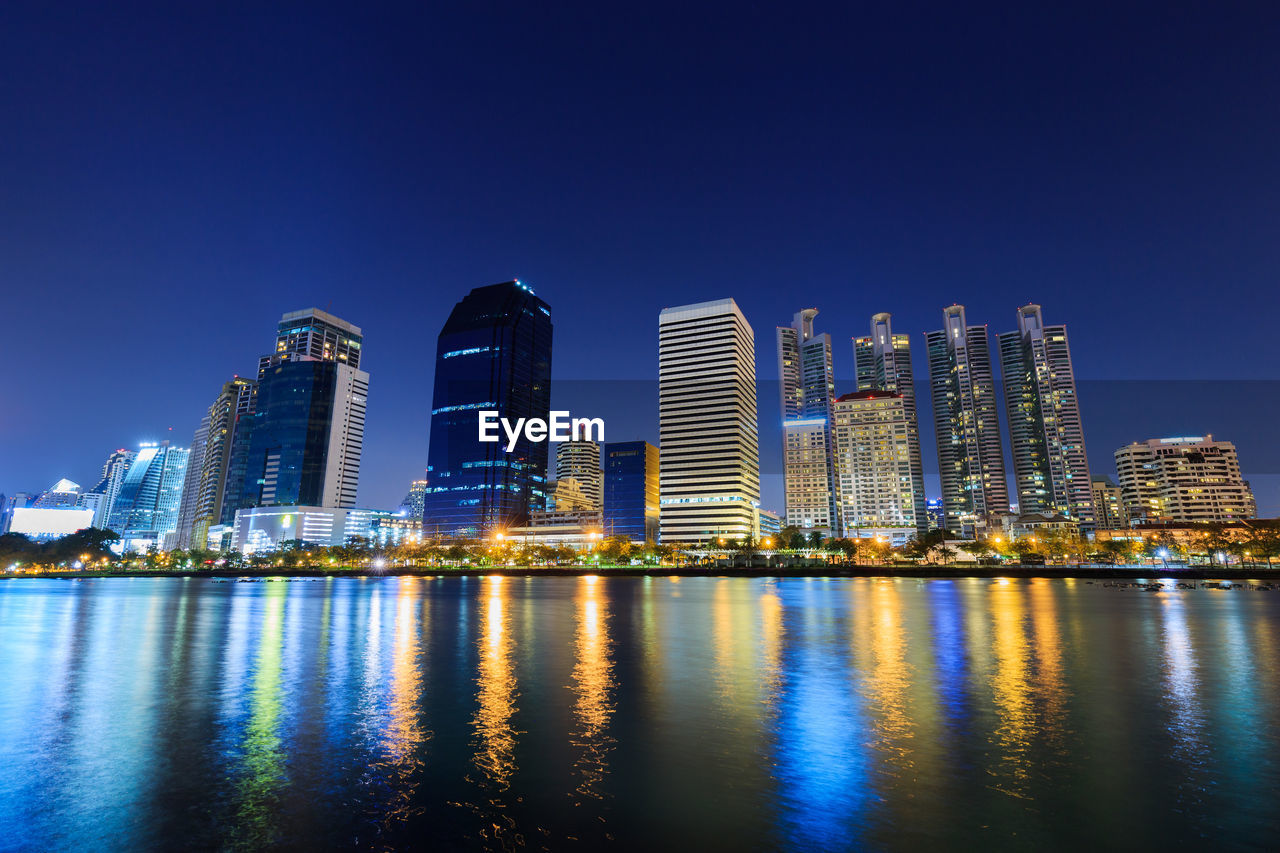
{"type": "Point", "coordinates": [1045, 434]}
{"type": "Point", "coordinates": [146, 508]}
{"type": "Point", "coordinates": [883, 362]}
{"type": "Point", "coordinates": [414, 503]}
{"type": "Point", "coordinates": [316, 334]}
{"type": "Point", "coordinates": [875, 492]}
{"type": "Point", "coordinates": [209, 485]}
{"type": "Point", "coordinates": [493, 354]}
{"type": "Point", "coordinates": [807, 388]}
{"type": "Point", "coordinates": [970, 454]}
{"type": "Point", "coordinates": [631, 490]}
{"type": "Point", "coordinates": [709, 471]}
{"type": "Point", "coordinates": [113, 473]}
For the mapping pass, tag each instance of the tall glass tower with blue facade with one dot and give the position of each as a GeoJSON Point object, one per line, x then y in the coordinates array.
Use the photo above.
{"type": "Point", "coordinates": [631, 490]}
{"type": "Point", "coordinates": [494, 353]}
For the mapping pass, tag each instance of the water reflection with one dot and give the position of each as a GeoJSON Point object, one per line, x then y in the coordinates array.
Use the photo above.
{"type": "Point", "coordinates": [261, 771]}
{"type": "Point", "coordinates": [593, 687]}
{"type": "Point", "coordinates": [495, 742]}
{"type": "Point", "coordinates": [738, 714]}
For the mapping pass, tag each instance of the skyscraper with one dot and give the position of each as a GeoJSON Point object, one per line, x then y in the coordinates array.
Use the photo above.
{"type": "Point", "coordinates": [1108, 504]}
{"type": "Point", "coordinates": [493, 354]}
{"type": "Point", "coordinates": [580, 459]}
{"type": "Point", "coordinates": [146, 507]}
{"type": "Point", "coordinates": [709, 456]}
{"type": "Point", "coordinates": [1047, 440]}
{"type": "Point", "coordinates": [883, 363]}
{"type": "Point", "coordinates": [312, 333]}
{"type": "Point", "coordinates": [631, 490]}
{"type": "Point", "coordinates": [190, 487]}
{"type": "Point", "coordinates": [807, 388]}
{"type": "Point", "coordinates": [305, 441]}
{"type": "Point", "coordinates": [210, 486]}
{"type": "Point", "coordinates": [875, 487]}
{"type": "Point", "coordinates": [970, 455]}
{"type": "Point", "coordinates": [113, 474]}
{"type": "Point", "coordinates": [414, 503]}
{"type": "Point", "coordinates": [1184, 479]}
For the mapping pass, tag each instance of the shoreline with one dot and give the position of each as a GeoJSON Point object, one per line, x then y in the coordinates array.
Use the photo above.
{"type": "Point", "coordinates": [920, 572]}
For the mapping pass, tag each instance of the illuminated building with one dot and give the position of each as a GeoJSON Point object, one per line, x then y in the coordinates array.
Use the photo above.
{"type": "Point", "coordinates": [807, 387]}
{"type": "Point", "coordinates": [580, 460]}
{"type": "Point", "coordinates": [1187, 479]}
{"type": "Point", "coordinates": [1108, 504]}
{"type": "Point", "coordinates": [208, 480]}
{"type": "Point", "coordinates": [631, 490]}
{"type": "Point", "coordinates": [883, 363]}
{"type": "Point", "coordinates": [1045, 434]}
{"type": "Point", "coordinates": [305, 441]}
{"type": "Point", "coordinates": [493, 354]}
{"type": "Point", "coordinates": [61, 494]}
{"type": "Point", "coordinates": [875, 489]}
{"type": "Point", "coordinates": [258, 529]}
{"type": "Point", "coordinates": [770, 525]}
{"type": "Point", "coordinates": [315, 334]}
{"type": "Point", "coordinates": [146, 507]}
{"type": "Point", "coordinates": [709, 449]}
{"type": "Point", "coordinates": [113, 473]}
{"type": "Point", "coordinates": [970, 454]}
{"type": "Point", "coordinates": [566, 494]}
{"type": "Point", "coordinates": [414, 502]}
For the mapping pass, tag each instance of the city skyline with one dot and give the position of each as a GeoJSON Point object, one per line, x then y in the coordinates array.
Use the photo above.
{"type": "Point", "coordinates": [1130, 185]}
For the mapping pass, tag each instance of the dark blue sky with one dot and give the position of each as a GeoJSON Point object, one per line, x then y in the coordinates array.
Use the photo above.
{"type": "Point", "coordinates": [176, 176]}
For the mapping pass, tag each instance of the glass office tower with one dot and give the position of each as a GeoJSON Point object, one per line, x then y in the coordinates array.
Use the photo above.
{"type": "Point", "coordinates": [631, 490]}
{"type": "Point", "coordinates": [494, 353]}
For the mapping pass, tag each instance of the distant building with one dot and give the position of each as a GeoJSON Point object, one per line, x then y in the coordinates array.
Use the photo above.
{"type": "Point", "coordinates": [580, 460]}
{"type": "Point", "coordinates": [1108, 504]}
{"type": "Point", "coordinates": [770, 526]}
{"type": "Point", "coordinates": [414, 502]}
{"type": "Point", "coordinates": [631, 490]}
{"type": "Point", "coordinates": [1045, 433]}
{"type": "Point", "coordinates": [933, 507]}
{"type": "Point", "coordinates": [883, 362]}
{"type": "Point", "coordinates": [60, 495]}
{"type": "Point", "coordinates": [214, 481]}
{"type": "Point", "coordinates": [566, 495]}
{"type": "Point", "coordinates": [146, 507]}
{"type": "Point", "coordinates": [709, 445]}
{"type": "Point", "coordinates": [493, 354]}
{"type": "Point", "coordinates": [1031, 524]}
{"type": "Point", "coordinates": [807, 383]}
{"type": "Point", "coordinates": [873, 459]}
{"type": "Point", "coordinates": [113, 474]}
{"type": "Point", "coordinates": [18, 500]}
{"type": "Point", "coordinates": [1187, 479]}
{"type": "Point", "coordinates": [970, 453]}
{"type": "Point", "coordinates": [259, 529]}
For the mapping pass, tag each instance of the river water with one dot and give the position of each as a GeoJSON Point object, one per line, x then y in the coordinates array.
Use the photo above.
{"type": "Point", "coordinates": [637, 713]}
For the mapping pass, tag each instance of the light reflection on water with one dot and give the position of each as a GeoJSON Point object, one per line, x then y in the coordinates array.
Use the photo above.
{"type": "Point", "coordinates": [725, 713]}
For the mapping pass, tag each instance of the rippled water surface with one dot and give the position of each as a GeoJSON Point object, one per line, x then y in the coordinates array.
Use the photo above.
{"type": "Point", "coordinates": [693, 713]}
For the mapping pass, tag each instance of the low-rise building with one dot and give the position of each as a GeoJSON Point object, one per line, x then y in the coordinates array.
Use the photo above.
{"type": "Point", "coordinates": [1186, 479]}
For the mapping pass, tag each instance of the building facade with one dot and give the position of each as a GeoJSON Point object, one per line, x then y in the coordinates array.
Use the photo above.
{"type": "Point", "coordinates": [146, 507]}
{"type": "Point", "coordinates": [1108, 504]}
{"type": "Point", "coordinates": [807, 383]}
{"type": "Point", "coordinates": [113, 474]}
{"type": "Point", "coordinates": [304, 443]}
{"type": "Point", "coordinates": [631, 490]}
{"type": "Point", "coordinates": [314, 334]}
{"type": "Point", "coordinates": [580, 460]}
{"type": "Point", "coordinates": [493, 354]}
{"type": "Point", "coordinates": [1185, 479]}
{"type": "Point", "coordinates": [971, 467]}
{"type": "Point", "coordinates": [1045, 434]}
{"type": "Point", "coordinates": [883, 363]}
{"type": "Point", "coordinates": [709, 446]}
{"type": "Point", "coordinates": [875, 485]}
